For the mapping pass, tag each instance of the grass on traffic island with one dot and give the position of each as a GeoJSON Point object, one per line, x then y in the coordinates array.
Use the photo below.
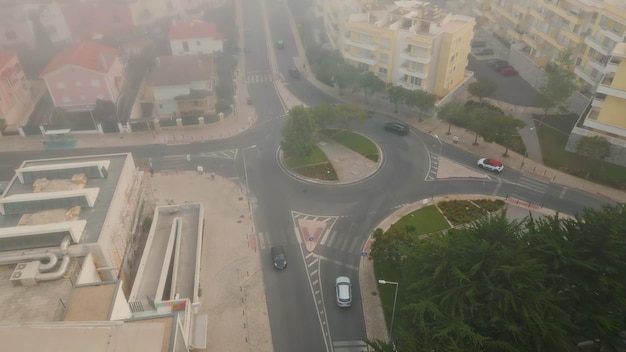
{"type": "Point", "coordinates": [355, 141]}
{"type": "Point", "coordinates": [420, 223]}
{"type": "Point", "coordinates": [318, 166]}
{"type": "Point", "coordinates": [315, 166]}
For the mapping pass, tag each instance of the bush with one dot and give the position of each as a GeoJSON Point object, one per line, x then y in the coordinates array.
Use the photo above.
{"type": "Point", "coordinates": [460, 211]}
{"type": "Point", "coordinates": [470, 104]}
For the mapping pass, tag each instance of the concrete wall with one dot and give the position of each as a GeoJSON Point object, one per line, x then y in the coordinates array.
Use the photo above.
{"type": "Point", "coordinates": [618, 146]}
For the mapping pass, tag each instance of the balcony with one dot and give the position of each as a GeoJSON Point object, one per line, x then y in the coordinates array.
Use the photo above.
{"type": "Point", "coordinates": [405, 70]}
{"type": "Point", "coordinates": [422, 59]}
{"type": "Point", "coordinates": [597, 65]}
{"type": "Point", "coordinates": [569, 15]}
{"type": "Point", "coordinates": [369, 60]}
{"type": "Point", "coordinates": [604, 50]}
{"type": "Point", "coordinates": [361, 45]}
{"type": "Point", "coordinates": [611, 35]}
{"type": "Point", "coordinates": [586, 77]}
{"type": "Point", "coordinates": [591, 121]}
{"type": "Point", "coordinates": [605, 88]}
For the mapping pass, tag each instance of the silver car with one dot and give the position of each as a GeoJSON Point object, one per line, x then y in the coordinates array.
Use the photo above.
{"type": "Point", "coordinates": [343, 289]}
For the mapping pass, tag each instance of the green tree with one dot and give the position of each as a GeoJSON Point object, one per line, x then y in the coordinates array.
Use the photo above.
{"type": "Point", "coordinates": [345, 75]}
{"type": "Point", "coordinates": [370, 83]}
{"type": "Point", "coordinates": [298, 134]}
{"type": "Point", "coordinates": [346, 114]}
{"type": "Point", "coordinates": [104, 110]}
{"type": "Point", "coordinates": [380, 346]}
{"type": "Point", "coordinates": [451, 112]}
{"type": "Point", "coordinates": [482, 88]}
{"type": "Point", "coordinates": [583, 254]}
{"type": "Point", "coordinates": [389, 245]}
{"type": "Point", "coordinates": [424, 101]}
{"type": "Point", "coordinates": [478, 289]}
{"type": "Point", "coordinates": [559, 84]}
{"type": "Point", "coordinates": [596, 147]}
{"type": "Point", "coordinates": [397, 94]}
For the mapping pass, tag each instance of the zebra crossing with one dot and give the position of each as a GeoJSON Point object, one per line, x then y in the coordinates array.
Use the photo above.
{"type": "Point", "coordinates": [342, 241]}
{"type": "Point", "coordinates": [530, 189]}
{"type": "Point", "coordinates": [433, 167]}
{"type": "Point", "coordinates": [349, 346]}
{"type": "Point", "coordinates": [222, 154]}
{"type": "Point", "coordinates": [259, 77]}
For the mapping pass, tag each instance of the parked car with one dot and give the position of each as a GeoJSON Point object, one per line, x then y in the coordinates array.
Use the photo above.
{"type": "Point", "coordinates": [280, 44]}
{"type": "Point", "coordinates": [293, 72]}
{"type": "Point", "coordinates": [484, 51]}
{"type": "Point", "coordinates": [498, 64]}
{"type": "Point", "coordinates": [343, 289]}
{"type": "Point", "coordinates": [477, 43]}
{"type": "Point", "coordinates": [278, 255]}
{"type": "Point", "coordinates": [490, 164]}
{"type": "Point", "coordinates": [398, 128]}
{"type": "Point", "coordinates": [509, 71]}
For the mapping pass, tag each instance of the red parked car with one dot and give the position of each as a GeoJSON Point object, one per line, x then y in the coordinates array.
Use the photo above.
{"type": "Point", "coordinates": [509, 71]}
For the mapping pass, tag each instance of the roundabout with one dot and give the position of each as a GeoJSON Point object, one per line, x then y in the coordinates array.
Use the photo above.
{"type": "Point", "coordinates": [345, 165]}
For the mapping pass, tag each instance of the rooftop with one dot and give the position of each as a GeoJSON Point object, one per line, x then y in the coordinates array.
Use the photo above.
{"type": "Point", "coordinates": [194, 30]}
{"type": "Point", "coordinates": [85, 54]}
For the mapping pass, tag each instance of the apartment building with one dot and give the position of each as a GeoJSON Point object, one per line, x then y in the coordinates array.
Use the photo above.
{"type": "Point", "coordinates": [543, 28]}
{"type": "Point", "coordinates": [605, 115]}
{"type": "Point", "coordinates": [409, 43]}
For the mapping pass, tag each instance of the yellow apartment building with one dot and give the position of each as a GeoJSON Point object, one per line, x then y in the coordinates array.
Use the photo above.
{"type": "Point", "coordinates": [409, 43]}
{"type": "Point", "coordinates": [605, 115]}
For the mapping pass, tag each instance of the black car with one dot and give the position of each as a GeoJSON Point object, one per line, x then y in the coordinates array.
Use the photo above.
{"type": "Point", "coordinates": [278, 255]}
{"type": "Point", "coordinates": [498, 64]}
{"type": "Point", "coordinates": [293, 72]}
{"type": "Point", "coordinates": [484, 51]}
{"type": "Point", "coordinates": [477, 44]}
{"type": "Point", "coordinates": [398, 128]}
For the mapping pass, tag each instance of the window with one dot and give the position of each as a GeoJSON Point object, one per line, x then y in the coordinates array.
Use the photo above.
{"type": "Point", "coordinates": [160, 106]}
{"type": "Point", "coordinates": [413, 80]}
{"type": "Point", "coordinates": [196, 103]}
{"type": "Point", "coordinates": [10, 35]}
{"type": "Point", "coordinates": [197, 42]}
{"type": "Point", "coordinates": [95, 83]}
{"type": "Point", "coordinates": [382, 71]}
{"type": "Point", "coordinates": [385, 43]}
{"type": "Point", "coordinates": [185, 46]}
{"type": "Point", "coordinates": [82, 97]}
{"type": "Point", "coordinates": [66, 99]}
{"type": "Point", "coordinates": [78, 83]}
{"type": "Point", "coordinates": [383, 58]}
{"type": "Point", "coordinates": [60, 84]}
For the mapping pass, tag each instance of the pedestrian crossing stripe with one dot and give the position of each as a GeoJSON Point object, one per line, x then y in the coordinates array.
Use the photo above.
{"type": "Point", "coordinates": [259, 78]}
{"type": "Point", "coordinates": [349, 346]}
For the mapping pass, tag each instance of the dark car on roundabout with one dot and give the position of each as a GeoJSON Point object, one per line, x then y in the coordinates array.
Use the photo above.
{"type": "Point", "coordinates": [397, 128]}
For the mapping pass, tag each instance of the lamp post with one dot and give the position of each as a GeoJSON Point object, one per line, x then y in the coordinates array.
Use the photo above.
{"type": "Point", "coordinates": [440, 145]}
{"type": "Point", "coordinates": [395, 298]}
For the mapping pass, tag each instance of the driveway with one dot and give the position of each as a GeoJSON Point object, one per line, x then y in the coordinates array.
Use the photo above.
{"type": "Point", "coordinates": [510, 89]}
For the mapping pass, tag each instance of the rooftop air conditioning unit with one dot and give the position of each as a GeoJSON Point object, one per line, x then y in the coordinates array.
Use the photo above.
{"type": "Point", "coordinates": [24, 274]}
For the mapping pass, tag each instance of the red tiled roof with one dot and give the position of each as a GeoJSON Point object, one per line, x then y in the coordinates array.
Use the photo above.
{"type": "Point", "coordinates": [6, 57]}
{"type": "Point", "coordinates": [195, 29]}
{"type": "Point", "coordinates": [85, 54]}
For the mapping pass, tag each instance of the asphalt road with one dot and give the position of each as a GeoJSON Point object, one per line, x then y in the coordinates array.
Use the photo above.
{"type": "Point", "coordinates": [303, 318]}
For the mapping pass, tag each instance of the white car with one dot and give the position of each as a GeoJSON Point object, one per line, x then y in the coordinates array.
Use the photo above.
{"type": "Point", "coordinates": [343, 289]}
{"type": "Point", "coordinates": [490, 164]}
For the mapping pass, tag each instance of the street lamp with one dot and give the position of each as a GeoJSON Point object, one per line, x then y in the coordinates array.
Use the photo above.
{"type": "Point", "coordinates": [440, 145]}
{"type": "Point", "coordinates": [395, 298]}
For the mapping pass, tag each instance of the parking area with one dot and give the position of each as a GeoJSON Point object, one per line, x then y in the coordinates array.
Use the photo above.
{"type": "Point", "coordinates": [511, 89]}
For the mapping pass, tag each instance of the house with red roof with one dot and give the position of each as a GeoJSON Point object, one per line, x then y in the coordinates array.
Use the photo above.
{"type": "Point", "coordinates": [181, 86]}
{"type": "Point", "coordinates": [195, 37]}
{"type": "Point", "coordinates": [82, 74]}
{"type": "Point", "coordinates": [14, 88]}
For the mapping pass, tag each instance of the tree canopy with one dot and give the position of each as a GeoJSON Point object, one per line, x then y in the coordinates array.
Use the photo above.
{"type": "Point", "coordinates": [559, 84]}
{"type": "Point", "coordinates": [298, 133]}
{"type": "Point", "coordinates": [370, 83]}
{"type": "Point", "coordinates": [482, 88]}
{"type": "Point", "coordinates": [541, 284]}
